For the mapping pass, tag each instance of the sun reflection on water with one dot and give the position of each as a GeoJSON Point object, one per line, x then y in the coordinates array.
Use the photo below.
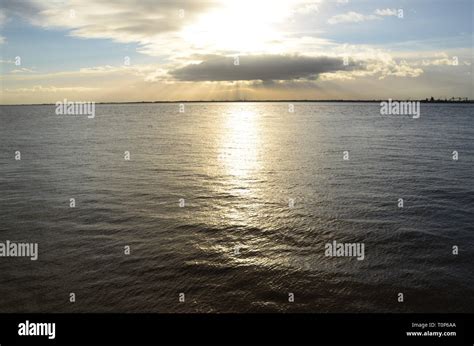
{"type": "Point", "coordinates": [246, 213]}
{"type": "Point", "coordinates": [239, 147]}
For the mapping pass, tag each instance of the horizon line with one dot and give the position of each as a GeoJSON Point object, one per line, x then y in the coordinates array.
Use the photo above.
{"type": "Point", "coordinates": [463, 100]}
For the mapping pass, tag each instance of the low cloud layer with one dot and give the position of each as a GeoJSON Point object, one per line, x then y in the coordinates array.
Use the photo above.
{"type": "Point", "coordinates": [261, 67]}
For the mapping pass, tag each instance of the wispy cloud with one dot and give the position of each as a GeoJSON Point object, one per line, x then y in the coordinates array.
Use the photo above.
{"type": "Point", "coordinates": [22, 70]}
{"type": "Point", "coordinates": [356, 17]}
{"type": "Point", "coordinates": [386, 12]}
{"type": "Point", "coordinates": [351, 17]}
{"type": "Point", "coordinates": [53, 89]}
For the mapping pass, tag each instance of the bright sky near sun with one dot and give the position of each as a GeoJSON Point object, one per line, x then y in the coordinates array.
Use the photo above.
{"type": "Point", "coordinates": [121, 50]}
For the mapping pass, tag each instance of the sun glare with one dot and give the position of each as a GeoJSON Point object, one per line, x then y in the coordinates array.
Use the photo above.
{"type": "Point", "coordinates": [243, 26]}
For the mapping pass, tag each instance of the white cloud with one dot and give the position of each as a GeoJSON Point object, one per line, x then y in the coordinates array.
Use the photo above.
{"type": "Point", "coordinates": [142, 71]}
{"type": "Point", "coordinates": [309, 7]}
{"type": "Point", "coordinates": [22, 70]}
{"type": "Point", "coordinates": [351, 17]}
{"type": "Point", "coordinates": [355, 17]}
{"type": "Point", "coordinates": [386, 12]}
{"type": "Point", "coordinates": [54, 89]}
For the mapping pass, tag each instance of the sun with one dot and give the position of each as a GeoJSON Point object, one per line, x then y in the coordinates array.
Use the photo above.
{"type": "Point", "coordinates": [238, 27]}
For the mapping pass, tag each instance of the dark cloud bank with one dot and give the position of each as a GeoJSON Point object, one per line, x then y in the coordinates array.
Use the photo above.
{"type": "Point", "coordinates": [261, 67]}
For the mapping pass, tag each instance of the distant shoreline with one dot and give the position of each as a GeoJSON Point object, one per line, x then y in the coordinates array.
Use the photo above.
{"type": "Point", "coordinates": [258, 101]}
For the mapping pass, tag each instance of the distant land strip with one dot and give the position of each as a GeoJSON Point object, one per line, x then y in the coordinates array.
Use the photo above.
{"type": "Point", "coordinates": [456, 101]}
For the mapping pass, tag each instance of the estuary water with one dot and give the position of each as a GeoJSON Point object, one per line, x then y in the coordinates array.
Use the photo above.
{"type": "Point", "coordinates": [231, 205]}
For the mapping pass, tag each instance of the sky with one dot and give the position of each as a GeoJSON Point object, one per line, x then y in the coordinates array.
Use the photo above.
{"type": "Point", "coordinates": [143, 50]}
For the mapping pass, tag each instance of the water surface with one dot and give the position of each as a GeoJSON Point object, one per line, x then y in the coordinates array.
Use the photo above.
{"type": "Point", "coordinates": [236, 166]}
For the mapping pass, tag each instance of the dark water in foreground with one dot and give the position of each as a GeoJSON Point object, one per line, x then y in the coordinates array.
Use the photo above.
{"type": "Point", "coordinates": [237, 166]}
